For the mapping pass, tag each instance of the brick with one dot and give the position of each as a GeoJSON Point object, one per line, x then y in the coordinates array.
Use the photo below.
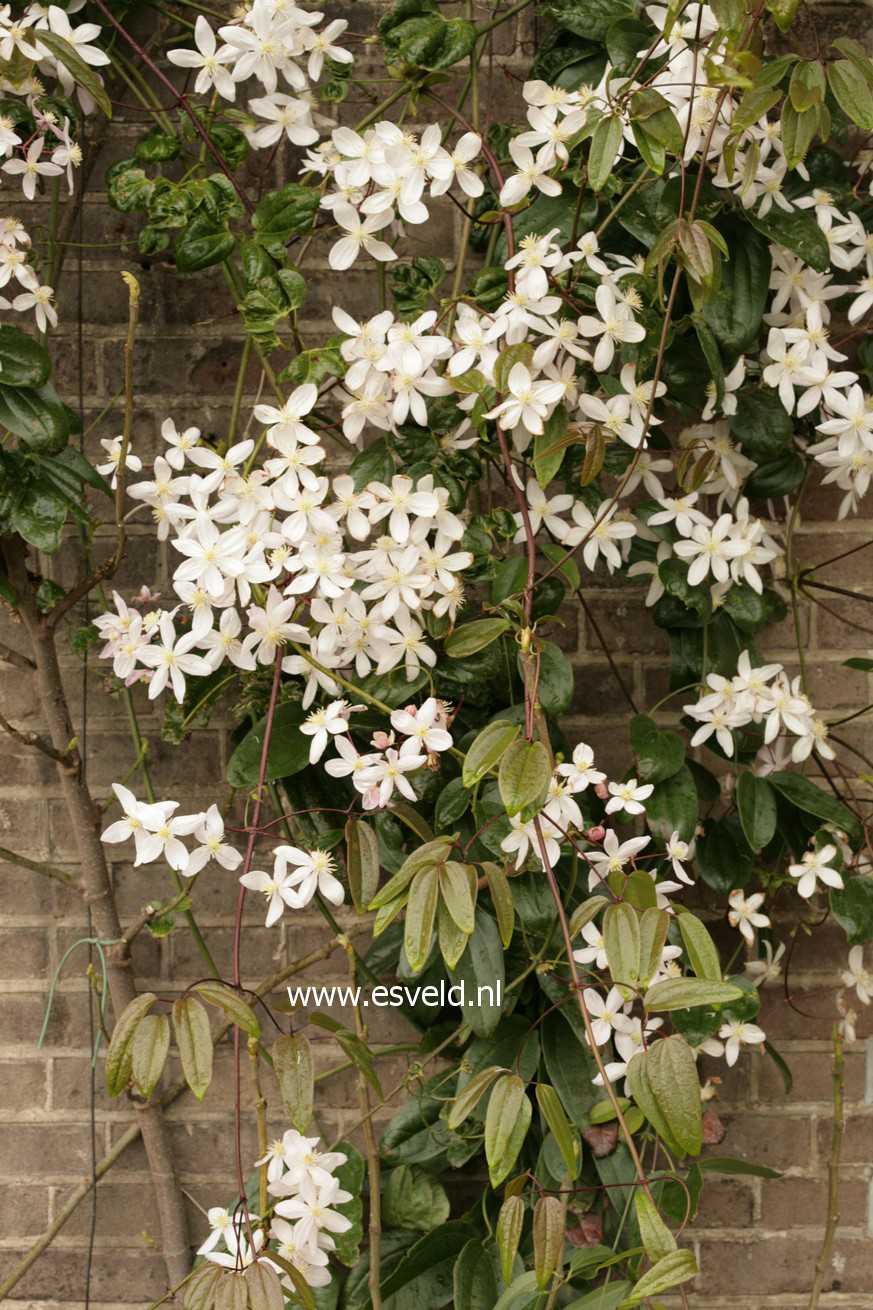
{"type": "Point", "coordinates": [779, 1263]}
{"type": "Point", "coordinates": [725, 1203]}
{"type": "Point", "coordinates": [812, 1078]}
{"type": "Point", "coordinates": [857, 1135]}
{"type": "Point", "coordinates": [59, 1275]}
{"type": "Point", "coordinates": [800, 1202]}
{"type": "Point", "coordinates": [775, 1141]}
{"type": "Point", "coordinates": [23, 953]}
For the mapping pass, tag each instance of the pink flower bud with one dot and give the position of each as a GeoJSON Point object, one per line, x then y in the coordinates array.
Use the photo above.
{"type": "Point", "coordinates": [601, 790]}
{"type": "Point", "coordinates": [597, 833]}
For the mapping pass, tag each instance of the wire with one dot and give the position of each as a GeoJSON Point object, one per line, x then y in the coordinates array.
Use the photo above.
{"type": "Point", "coordinates": [94, 1042]}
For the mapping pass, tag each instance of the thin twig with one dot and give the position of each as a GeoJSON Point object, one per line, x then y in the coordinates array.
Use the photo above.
{"type": "Point", "coordinates": [833, 1215]}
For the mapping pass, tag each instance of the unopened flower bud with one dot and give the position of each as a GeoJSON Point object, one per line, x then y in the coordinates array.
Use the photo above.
{"type": "Point", "coordinates": [597, 833]}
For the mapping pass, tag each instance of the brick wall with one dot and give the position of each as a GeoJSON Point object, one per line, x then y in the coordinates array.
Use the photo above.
{"type": "Point", "coordinates": [758, 1242]}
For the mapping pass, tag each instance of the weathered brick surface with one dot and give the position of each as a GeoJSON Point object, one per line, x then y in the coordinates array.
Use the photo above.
{"type": "Point", "coordinates": [757, 1241]}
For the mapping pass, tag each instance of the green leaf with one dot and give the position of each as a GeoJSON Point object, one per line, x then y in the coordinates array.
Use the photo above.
{"type": "Point", "coordinates": [420, 916]}
{"type": "Point", "coordinates": [783, 11]}
{"type": "Point", "coordinates": [756, 803]}
{"type": "Point", "coordinates": [798, 130]}
{"type": "Point", "coordinates": [736, 311]}
{"type": "Point", "coordinates": [288, 753]}
{"type": "Point", "coordinates": [521, 353]}
{"type": "Point", "coordinates": [473, 637]}
{"type": "Point", "coordinates": [556, 683]}
{"type": "Point", "coordinates": [70, 464]}
{"type": "Point", "coordinates": [149, 1049]}
{"type": "Point", "coordinates": [414, 1199]}
{"type": "Point", "coordinates": [654, 924]}
{"type": "Point", "coordinates": [673, 1078]}
{"type": "Point", "coordinates": [501, 899]}
{"type": "Point", "coordinates": [487, 749]}
{"type": "Point", "coordinates": [590, 19]}
{"type": "Point", "coordinates": [454, 884]}
{"type": "Point", "coordinates": [375, 464]}
{"type": "Point", "coordinates": [762, 425]}
{"type": "Point", "coordinates": [200, 1289]}
{"type": "Point", "coordinates": [676, 1268]}
{"type": "Point", "coordinates": [604, 149]}
{"type": "Point", "coordinates": [201, 244]}
{"type": "Point", "coordinates": [559, 1125]}
{"type": "Point", "coordinates": [657, 1238]}
{"type": "Point", "coordinates": [194, 1040]}
{"type": "Point", "coordinates": [263, 1287]}
{"type": "Point", "coordinates": [350, 1177]}
{"type": "Point", "coordinates": [226, 999]}
{"type": "Point", "coordinates": [548, 1238]}
{"type": "Point", "coordinates": [524, 775]}
{"type": "Point", "coordinates": [362, 864]}
{"type": "Point", "coordinates": [810, 799]}
{"type": "Point", "coordinates": [640, 1088]}
{"type": "Point", "coordinates": [508, 1232]}
{"type": "Point", "coordinates": [83, 74]}
{"type": "Point", "coordinates": [685, 993]}
{"type": "Point", "coordinates": [481, 969]}
{"type": "Point", "coordinates": [854, 52]}
{"type": "Point", "coordinates": [506, 1124]}
{"type": "Point", "coordinates": [796, 231]}
{"type": "Point", "coordinates": [701, 949]}
{"type": "Point", "coordinates": [295, 1074]}
{"type": "Point", "coordinates": [289, 212]}
{"type": "Point", "coordinates": [37, 415]}
{"type": "Point", "coordinates": [477, 1278]}
{"type": "Point", "coordinates": [658, 754]}
{"type": "Point", "coordinates": [424, 1276]}
{"type": "Point", "coordinates": [852, 908]}
{"type": "Point", "coordinates": [852, 92]}
{"type": "Point", "coordinates": [23, 362]}
{"type": "Point", "coordinates": [726, 1164]}
{"type": "Point", "coordinates": [548, 446]}
{"type": "Point", "coordinates": [621, 940]}
{"type": "Point", "coordinates": [40, 516]}
{"type": "Point", "coordinates": [416, 36]}
{"type": "Point", "coordinates": [428, 855]}
{"type": "Point", "coordinates": [723, 855]}
{"type": "Point", "coordinates": [451, 803]}
{"type": "Point", "coordinates": [119, 1057]}
{"type": "Point", "coordinates": [673, 806]}
{"type": "Point", "coordinates": [471, 1094]}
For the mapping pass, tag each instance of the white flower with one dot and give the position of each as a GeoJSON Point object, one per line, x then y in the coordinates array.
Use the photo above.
{"type": "Point", "coordinates": [139, 818]}
{"type": "Point", "coordinates": [595, 952]}
{"type": "Point", "coordinates": [532, 172]}
{"type": "Point", "coordinates": [709, 549]}
{"type": "Point", "coordinates": [276, 889]}
{"type": "Point", "coordinates": [815, 865]}
{"type": "Point", "coordinates": [605, 1012]}
{"type": "Point", "coordinates": [744, 914]}
{"type": "Point", "coordinates": [581, 772]}
{"type": "Point", "coordinates": [313, 872]}
{"type": "Point", "coordinates": [767, 970]}
{"type": "Point", "coordinates": [31, 167]}
{"type": "Point", "coordinates": [858, 976]}
{"type": "Point", "coordinates": [737, 1034]}
{"type": "Point", "coordinates": [528, 402]}
{"type": "Point", "coordinates": [360, 237]}
{"type": "Point", "coordinates": [323, 723]}
{"type": "Point", "coordinates": [628, 796]}
{"type": "Point", "coordinates": [613, 858]}
{"type": "Point", "coordinates": [311, 1207]}
{"type": "Point", "coordinates": [210, 834]}
{"type": "Point", "coordinates": [209, 59]}
{"type": "Point", "coordinates": [388, 773]}
{"type": "Point", "coordinates": [425, 725]}
{"type": "Point", "coordinates": [616, 325]}
{"type": "Point", "coordinates": [172, 661]}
